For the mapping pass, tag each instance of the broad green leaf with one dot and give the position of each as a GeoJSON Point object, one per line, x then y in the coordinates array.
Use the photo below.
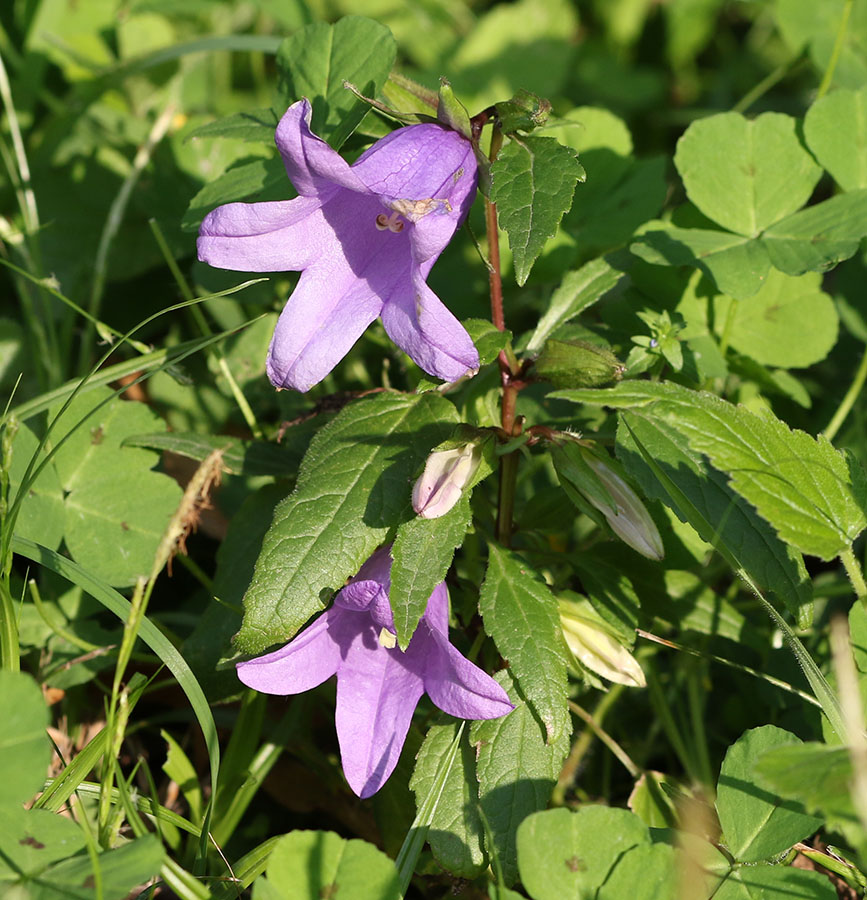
{"type": "Point", "coordinates": [819, 237]}
{"type": "Point", "coordinates": [757, 824]}
{"type": "Point", "coordinates": [42, 515]}
{"type": "Point", "coordinates": [534, 179]}
{"type": "Point", "coordinates": [817, 775]}
{"type": "Point", "coordinates": [745, 175]}
{"type": "Point", "coordinates": [522, 617]}
{"type": "Point", "coordinates": [564, 854]}
{"type": "Point", "coordinates": [587, 128]}
{"type": "Point", "coordinates": [774, 566]}
{"type": "Point", "coordinates": [24, 748]}
{"type": "Point", "coordinates": [422, 552]}
{"type": "Point", "coordinates": [775, 883]}
{"type": "Point", "coordinates": [308, 865]}
{"type": "Point", "coordinates": [455, 834]}
{"type": "Point", "coordinates": [790, 322]}
{"type": "Point", "coordinates": [577, 291]}
{"type": "Point", "coordinates": [117, 509]}
{"type": "Point", "coordinates": [122, 870]}
{"type": "Point", "coordinates": [353, 486]}
{"type": "Point", "coordinates": [651, 801]}
{"type": "Point", "coordinates": [835, 129]}
{"type": "Point", "coordinates": [261, 179]}
{"type": "Point", "coordinates": [33, 839]}
{"type": "Point", "coordinates": [646, 872]}
{"type": "Point", "coordinates": [315, 61]}
{"type": "Point", "coordinates": [737, 264]}
{"type": "Point", "coordinates": [812, 494]}
{"type": "Point", "coordinates": [255, 125]}
{"type": "Point", "coordinates": [517, 770]}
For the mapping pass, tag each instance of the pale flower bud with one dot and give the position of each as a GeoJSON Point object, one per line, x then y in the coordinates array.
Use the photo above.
{"type": "Point", "coordinates": [446, 474]}
{"type": "Point", "coordinates": [596, 648]}
{"type": "Point", "coordinates": [629, 519]}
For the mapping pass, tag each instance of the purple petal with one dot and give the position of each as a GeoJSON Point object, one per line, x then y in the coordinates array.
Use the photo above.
{"type": "Point", "coordinates": [263, 237]}
{"type": "Point", "coordinates": [437, 612]}
{"type": "Point", "coordinates": [305, 662]}
{"type": "Point", "coordinates": [312, 166]}
{"type": "Point", "coordinates": [423, 328]}
{"type": "Point", "coordinates": [456, 685]}
{"type": "Point", "coordinates": [376, 697]}
{"type": "Point", "coordinates": [419, 162]}
{"type": "Point", "coordinates": [327, 313]}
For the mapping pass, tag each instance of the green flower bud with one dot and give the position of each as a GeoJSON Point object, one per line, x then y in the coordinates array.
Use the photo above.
{"type": "Point", "coordinates": [591, 481]}
{"type": "Point", "coordinates": [451, 112]}
{"type": "Point", "coordinates": [574, 364]}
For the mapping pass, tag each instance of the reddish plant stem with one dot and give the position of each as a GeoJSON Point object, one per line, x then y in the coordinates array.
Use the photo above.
{"type": "Point", "coordinates": [508, 371]}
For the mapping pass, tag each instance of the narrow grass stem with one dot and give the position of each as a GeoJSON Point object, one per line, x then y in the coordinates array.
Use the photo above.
{"type": "Point", "coordinates": [769, 81]}
{"type": "Point", "coordinates": [849, 399]}
{"type": "Point", "coordinates": [116, 213]}
{"type": "Point", "coordinates": [9, 649]}
{"type": "Point", "coordinates": [606, 739]}
{"type": "Point", "coordinates": [828, 77]}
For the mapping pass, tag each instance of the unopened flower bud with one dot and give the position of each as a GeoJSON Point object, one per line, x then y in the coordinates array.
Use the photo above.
{"type": "Point", "coordinates": [574, 364]}
{"type": "Point", "coordinates": [587, 478]}
{"type": "Point", "coordinates": [446, 474]}
{"type": "Point", "coordinates": [595, 647]}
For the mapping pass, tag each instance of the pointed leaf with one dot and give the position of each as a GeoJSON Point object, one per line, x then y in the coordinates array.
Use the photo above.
{"type": "Point", "coordinates": [534, 179]}
{"type": "Point", "coordinates": [517, 770]}
{"type": "Point", "coordinates": [521, 615]}
{"type": "Point", "coordinates": [422, 552]}
{"type": "Point", "coordinates": [353, 486]}
{"type": "Point", "coordinates": [317, 59]}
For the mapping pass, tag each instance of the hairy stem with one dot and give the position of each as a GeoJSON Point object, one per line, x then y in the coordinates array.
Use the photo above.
{"type": "Point", "coordinates": [856, 576]}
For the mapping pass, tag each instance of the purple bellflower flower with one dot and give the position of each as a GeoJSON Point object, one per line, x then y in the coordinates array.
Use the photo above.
{"type": "Point", "coordinates": [378, 686]}
{"type": "Point", "coordinates": [364, 238]}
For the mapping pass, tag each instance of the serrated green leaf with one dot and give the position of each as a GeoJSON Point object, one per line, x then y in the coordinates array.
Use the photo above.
{"type": "Point", "coordinates": [255, 125]}
{"type": "Point", "coordinates": [422, 552]}
{"type": "Point", "coordinates": [835, 129]}
{"type": "Point", "coordinates": [745, 174]}
{"type": "Point", "coordinates": [757, 825]}
{"type": "Point", "coordinates": [789, 323]}
{"type": "Point", "coordinates": [775, 883]}
{"type": "Point", "coordinates": [489, 340]}
{"type": "Point", "coordinates": [534, 179]}
{"type": "Point", "coordinates": [455, 834]}
{"type": "Point", "coordinates": [809, 492]}
{"type": "Point", "coordinates": [563, 854]}
{"type": "Point", "coordinates": [322, 864]}
{"type": "Point", "coordinates": [646, 872]}
{"type": "Point", "coordinates": [261, 179]}
{"type": "Point", "coordinates": [521, 615]}
{"type": "Point", "coordinates": [818, 237]}
{"type": "Point", "coordinates": [42, 515]}
{"type": "Point", "coordinates": [578, 290]}
{"type": "Point", "coordinates": [316, 60]}
{"type": "Point", "coordinates": [24, 748]}
{"type": "Point", "coordinates": [353, 486]}
{"type": "Point", "coordinates": [517, 770]}
{"type": "Point", "coordinates": [774, 566]}
{"type": "Point", "coordinates": [737, 264]}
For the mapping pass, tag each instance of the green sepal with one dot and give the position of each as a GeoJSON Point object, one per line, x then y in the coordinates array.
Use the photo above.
{"type": "Point", "coordinates": [451, 112]}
